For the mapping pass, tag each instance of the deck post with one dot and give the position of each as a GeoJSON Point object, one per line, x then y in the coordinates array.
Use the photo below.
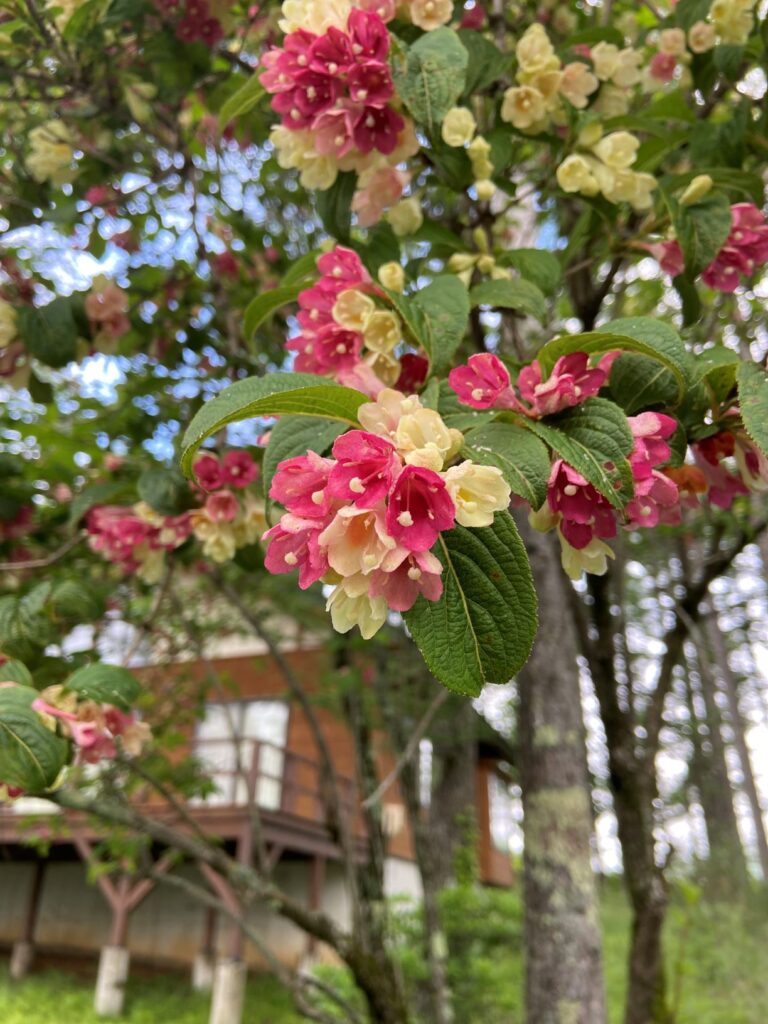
{"type": "Point", "coordinates": [228, 992]}
{"type": "Point", "coordinates": [203, 964]}
{"type": "Point", "coordinates": [23, 951]}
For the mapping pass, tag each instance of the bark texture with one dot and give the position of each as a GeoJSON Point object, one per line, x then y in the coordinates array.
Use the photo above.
{"type": "Point", "coordinates": [564, 982]}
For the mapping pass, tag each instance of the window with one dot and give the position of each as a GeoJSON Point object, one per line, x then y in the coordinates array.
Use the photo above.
{"type": "Point", "coordinates": [504, 812]}
{"type": "Point", "coordinates": [227, 740]}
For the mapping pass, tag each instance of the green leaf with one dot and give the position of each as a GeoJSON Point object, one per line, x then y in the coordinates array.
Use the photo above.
{"type": "Point", "coordinates": [753, 401]}
{"type": "Point", "coordinates": [31, 755]}
{"type": "Point", "coordinates": [688, 12]}
{"type": "Point", "coordinates": [75, 601]}
{"type": "Point", "coordinates": [535, 265]}
{"type": "Point", "coordinates": [486, 62]}
{"type": "Point", "coordinates": [240, 102]}
{"type": "Point", "coordinates": [49, 332]}
{"type": "Point", "coordinates": [701, 228]}
{"type": "Point", "coordinates": [164, 489]}
{"type": "Point", "coordinates": [444, 309]}
{"type": "Point", "coordinates": [521, 457]}
{"type": "Point", "coordinates": [106, 684]}
{"type": "Point", "coordinates": [296, 435]}
{"type": "Point", "coordinates": [302, 268]}
{"type": "Point", "coordinates": [638, 382]}
{"type": "Point", "coordinates": [106, 493]}
{"type": "Point", "coordinates": [432, 75]}
{"type": "Point", "coordinates": [263, 306]}
{"type": "Point", "coordinates": [334, 206]}
{"type": "Point", "coordinates": [520, 295]}
{"type": "Point", "coordinates": [628, 334]}
{"type": "Point", "coordinates": [593, 437]}
{"type": "Point", "coordinates": [277, 394]}
{"type": "Point", "coordinates": [14, 671]}
{"type": "Point", "coordinates": [23, 630]}
{"type": "Point", "coordinates": [482, 628]}
{"type": "Point", "coordinates": [716, 367]}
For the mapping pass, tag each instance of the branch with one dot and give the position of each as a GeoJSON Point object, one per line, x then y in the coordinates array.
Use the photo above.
{"type": "Point", "coordinates": [43, 563]}
{"type": "Point", "coordinates": [410, 749]}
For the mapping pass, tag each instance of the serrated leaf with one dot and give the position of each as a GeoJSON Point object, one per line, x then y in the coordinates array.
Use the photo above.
{"type": "Point", "coordinates": [482, 628]}
{"type": "Point", "coordinates": [164, 489]}
{"type": "Point", "coordinates": [520, 295]}
{"type": "Point", "coordinates": [521, 457]}
{"type": "Point", "coordinates": [485, 62]}
{"type": "Point", "coordinates": [638, 382]}
{"type": "Point", "coordinates": [31, 755]}
{"type": "Point", "coordinates": [263, 306]}
{"type": "Point", "coordinates": [49, 332]}
{"type": "Point", "coordinates": [277, 394]}
{"type": "Point", "coordinates": [629, 334]}
{"type": "Point", "coordinates": [23, 630]}
{"type": "Point", "coordinates": [752, 381]}
{"type": "Point", "coordinates": [106, 684]}
{"type": "Point", "coordinates": [701, 228]}
{"type": "Point", "coordinates": [444, 309]}
{"type": "Point", "coordinates": [240, 102]}
{"type": "Point", "coordinates": [593, 437]}
{"type": "Point", "coordinates": [716, 367]}
{"type": "Point", "coordinates": [334, 205]}
{"type": "Point", "coordinates": [431, 76]}
{"type": "Point", "coordinates": [540, 267]}
{"type": "Point", "coordinates": [75, 600]}
{"type": "Point", "coordinates": [295, 436]}
{"type": "Point", "coordinates": [13, 671]}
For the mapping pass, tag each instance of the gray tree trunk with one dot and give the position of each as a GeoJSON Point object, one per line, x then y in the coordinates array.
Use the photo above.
{"type": "Point", "coordinates": [564, 980]}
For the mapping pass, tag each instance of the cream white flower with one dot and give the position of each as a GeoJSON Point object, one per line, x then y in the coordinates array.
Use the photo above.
{"type": "Point", "coordinates": [613, 101]}
{"type": "Point", "coordinates": [8, 319]}
{"type": "Point", "coordinates": [151, 564]}
{"type": "Point", "coordinates": [386, 367]}
{"type": "Point", "coordinates": [578, 83]}
{"type": "Point", "coordinates": [431, 14]}
{"type": "Point", "coordinates": [524, 107]}
{"type": "Point", "coordinates": [575, 175]}
{"type": "Point", "coordinates": [628, 70]}
{"type": "Point", "coordinates": [485, 189]}
{"type": "Point", "coordinates": [382, 331]}
{"type": "Point", "coordinates": [296, 149]}
{"type": "Point", "coordinates": [357, 541]}
{"type": "Point", "coordinates": [478, 492]}
{"type": "Point", "coordinates": [423, 439]}
{"type": "Point", "coordinates": [592, 559]}
{"type": "Point", "coordinates": [617, 150]}
{"type": "Point", "coordinates": [406, 217]}
{"type": "Point", "coordinates": [672, 41]}
{"type": "Point", "coordinates": [352, 308]}
{"type": "Point", "coordinates": [349, 608]}
{"type": "Point", "coordinates": [733, 19]}
{"type": "Point", "coordinates": [51, 153]}
{"type": "Point", "coordinates": [314, 15]}
{"type": "Point", "coordinates": [535, 52]}
{"type": "Point", "coordinates": [701, 37]}
{"type": "Point", "coordinates": [383, 416]}
{"type": "Point", "coordinates": [391, 275]}
{"type": "Point", "coordinates": [458, 126]}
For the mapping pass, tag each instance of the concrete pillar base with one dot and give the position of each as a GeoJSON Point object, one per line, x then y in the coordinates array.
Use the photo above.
{"type": "Point", "coordinates": [109, 999]}
{"type": "Point", "coordinates": [228, 992]}
{"type": "Point", "coordinates": [22, 955]}
{"type": "Point", "coordinates": [202, 972]}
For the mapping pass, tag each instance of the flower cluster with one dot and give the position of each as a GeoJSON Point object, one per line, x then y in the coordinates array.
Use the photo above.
{"type": "Point", "coordinates": [96, 729]}
{"type": "Point", "coordinates": [334, 92]}
{"type": "Point", "coordinates": [227, 520]}
{"type": "Point", "coordinates": [733, 20]}
{"type": "Point", "coordinates": [585, 519]}
{"type": "Point", "coordinates": [343, 333]}
{"type": "Point", "coordinates": [107, 310]}
{"type": "Point", "coordinates": [366, 518]}
{"type": "Point", "coordinates": [484, 383]}
{"type": "Point", "coordinates": [744, 253]}
{"type": "Point", "coordinates": [543, 81]}
{"type": "Point", "coordinates": [728, 464]}
{"type": "Point", "coordinates": [196, 23]}
{"type": "Point", "coordinates": [51, 153]}
{"type": "Point", "coordinates": [605, 166]}
{"type": "Point", "coordinates": [136, 538]}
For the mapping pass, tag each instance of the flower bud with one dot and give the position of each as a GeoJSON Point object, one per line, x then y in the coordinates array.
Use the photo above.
{"type": "Point", "coordinates": [458, 126]}
{"type": "Point", "coordinates": [406, 217]}
{"type": "Point", "coordinates": [697, 189]}
{"type": "Point", "coordinates": [392, 276]}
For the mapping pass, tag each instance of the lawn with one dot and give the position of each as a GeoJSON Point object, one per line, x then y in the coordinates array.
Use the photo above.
{"type": "Point", "coordinates": [717, 962]}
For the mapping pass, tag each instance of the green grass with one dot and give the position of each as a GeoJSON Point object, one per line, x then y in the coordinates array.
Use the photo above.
{"type": "Point", "coordinates": [716, 955]}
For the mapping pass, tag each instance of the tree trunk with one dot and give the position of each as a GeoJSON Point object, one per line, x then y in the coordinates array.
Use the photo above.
{"type": "Point", "coordinates": [633, 786]}
{"type": "Point", "coordinates": [564, 981]}
{"type": "Point", "coordinates": [726, 870]}
{"type": "Point", "coordinates": [739, 737]}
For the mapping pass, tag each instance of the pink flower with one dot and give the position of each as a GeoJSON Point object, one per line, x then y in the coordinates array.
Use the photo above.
{"type": "Point", "coordinates": [344, 267]}
{"type": "Point", "coordinates": [570, 383]}
{"type": "Point", "coordinates": [239, 468]}
{"type": "Point", "coordinates": [586, 513]}
{"type": "Point", "coordinates": [370, 39]}
{"type": "Point", "coordinates": [208, 472]}
{"type": "Point", "coordinates": [650, 431]}
{"type": "Point", "coordinates": [222, 507]}
{"type": "Point", "coordinates": [382, 191]}
{"type": "Point", "coordinates": [656, 500]}
{"type": "Point", "coordinates": [294, 544]}
{"type": "Point", "coordinates": [361, 377]}
{"type": "Point", "coordinates": [725, 271]}
{"type": "Point", "coordinates": [723, 485]}
{"type": "Point", "coordinates": [418, 573]}
{"type": "Point", "coordinates": [413, 373]}
{"type": "Point", "coordinates": [332, 53]}
{"type": "Point", "coordinates": [107, 310]}
{"type": "Point", "coordinates": [366, 467]}
{"type": "Point", "coordinates": [419, 508]}
{"type": "Point", "coordinates": [300, 484]}
{"type": "Point", "coordinates": [377, 128]}
{"type": "Point", "coordinates": [483, 383]}
{"type": "Point", "coordinates": [331, 349]}
{"type": "Point", "coordinates": [357, 541]}
{"type": "Point", "coordinates": [752, 464]}
{"type": "Point", "coordinates": [662, 66]}
{"type": "Point", "coordinates": [371, 84]}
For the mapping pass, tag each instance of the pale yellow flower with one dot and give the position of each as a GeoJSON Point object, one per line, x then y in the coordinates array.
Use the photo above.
{"type": "Point", "coordinates": [535, 52]}
{"type": "Point", "coordinates": [702, 37]}
{"type": "Point", "coordinates": [618, 150]}
{"type": "Point", "coordinates": [352, 308]}
{"type": "Point", "coordinates": [592, 559]}
{"type": "Point", "coordinates": [733, 19]}
{"type": "Point", "coordinates": [423, 439]}
{"type": "Point", "coordinates": [51, 153]}
{"type": "Point", "coordinates": [383, 415]}
{"type": "Point", "coordinates": [314, 15]}
{"type": "Point", "coordinates": [382, 331]}
{"type": "Point", "coordinates": [578, 83]}
{"type": "Point", "coordinates": [672, 41]}
{"type": "Point", "coordinates": [392, 276]}
{"type": "Point", "coordinates": [478, 492]}
{"type": "Point", "coordinates": [348, 611]}
{"type": "Point", "coordinates": [458, 126]}
{"type": "Point", "coordinates": [575, 175]}
{"type": "Point", "coordinates": [431, 14]}
{"type": "Point", "coordinates": [406, 217]}
{"type": "Point", "coordinates": [524, 107]}
{"type": "Point", "coordinates": [8, 319]}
